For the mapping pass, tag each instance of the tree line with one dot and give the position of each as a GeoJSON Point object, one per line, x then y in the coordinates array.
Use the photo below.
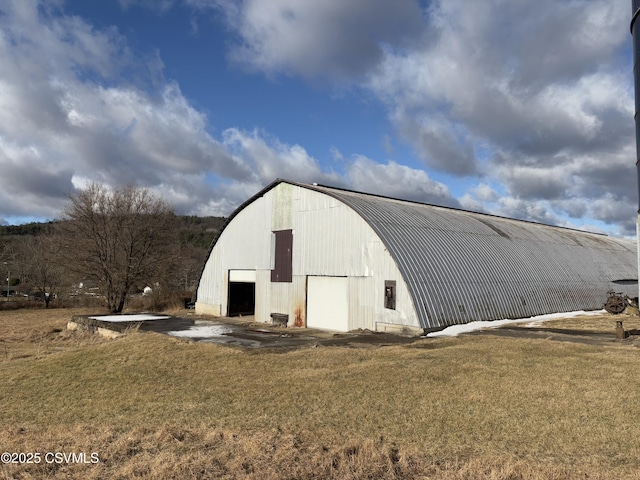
{"type": "Point", "coordinates": [113, 242]}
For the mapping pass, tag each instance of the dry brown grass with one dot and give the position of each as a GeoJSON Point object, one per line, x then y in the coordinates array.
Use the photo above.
{"type": "Point", "coordinates": [596, 323]}
{"type": "Point", "coordinates": [153, 406]}
{"type": "Point", "coordinates": [36, 332]}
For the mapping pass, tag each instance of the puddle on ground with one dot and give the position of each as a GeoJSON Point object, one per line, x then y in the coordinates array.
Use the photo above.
{"type": "Point", "coordinates": [201, 331]}
{"type": "Point", "coordinates": [225, 334]}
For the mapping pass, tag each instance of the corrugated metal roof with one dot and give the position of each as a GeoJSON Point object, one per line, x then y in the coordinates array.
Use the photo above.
{"type": "Point", "coordinates": [462, 266]}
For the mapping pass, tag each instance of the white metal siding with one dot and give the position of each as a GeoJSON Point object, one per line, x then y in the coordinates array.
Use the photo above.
{"type": "Point", "coordinates": [329, 239]}
{"type": "Point", "coordinates": [281, 198]}
{"type": "Point", "coordinates": [244, 276]}
{"type": "Point", "coordinates": [244, 244]}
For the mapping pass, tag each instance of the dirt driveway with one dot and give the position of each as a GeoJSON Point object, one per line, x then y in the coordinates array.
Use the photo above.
{"type": "Point", "coordinates": [245, 332]}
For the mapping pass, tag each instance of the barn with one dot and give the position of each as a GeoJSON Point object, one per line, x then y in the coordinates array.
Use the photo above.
{"type": "Point", "coordinates": [336, 259]}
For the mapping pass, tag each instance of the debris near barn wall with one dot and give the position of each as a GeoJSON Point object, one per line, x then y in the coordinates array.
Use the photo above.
{"type": "Point", "coordinates": [619, 302]}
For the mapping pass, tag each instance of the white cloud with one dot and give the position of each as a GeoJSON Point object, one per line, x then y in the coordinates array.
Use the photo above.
{"type": "Point", "coordinates": [485, 192]}
{"type": "Point", "coordinates": [331, 38]}
{"type": "Point", "coordinates": [64, 120]}
{"type": "Point", "coordinates": [397, 181]}
{"type": "Point", "coordinates": [529, 99]}
{"type": "Point", "coordinates": [539, 88]}
{"type": "Point", "coordinates": [480, 198]}
{"type": "Point", "coordinates": [460, 85]}
{"type": "Point", "coordinates": [441, 143]}
{"type": "Point", "coordinates": [64, 123]}
{"type": "Point", "coordinates": [336, 154]}
{"type": "Point", "coordinates": [269, 158]}
{"type": "Point", "coordinates": [527, 95]}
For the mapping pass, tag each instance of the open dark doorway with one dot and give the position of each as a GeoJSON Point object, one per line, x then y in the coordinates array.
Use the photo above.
{"type": "Point", "coordinates": [242, 298]}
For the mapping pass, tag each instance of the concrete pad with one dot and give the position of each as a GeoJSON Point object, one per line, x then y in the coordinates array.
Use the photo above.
{"type": "Point", "coordinates": [139, 317]}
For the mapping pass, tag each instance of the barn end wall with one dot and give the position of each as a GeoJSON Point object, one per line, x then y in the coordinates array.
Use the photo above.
{"type": "Point", "coordinates": [329, 240]}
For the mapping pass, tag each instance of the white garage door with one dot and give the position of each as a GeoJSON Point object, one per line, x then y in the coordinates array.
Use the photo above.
{"type": "Point", "coordinates": [328, 303]}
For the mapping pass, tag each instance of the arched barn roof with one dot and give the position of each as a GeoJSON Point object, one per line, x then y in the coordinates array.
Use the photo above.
{"type": "Point", "coordinates": [462, 266]}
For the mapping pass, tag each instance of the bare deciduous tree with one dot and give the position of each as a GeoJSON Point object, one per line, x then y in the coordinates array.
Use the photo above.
{"type": "Point", "coordinates": [120, 238]}
{"type": "Point", "coordinates": [41, 263]}
{"type": "Point", "coordinates": [4, 251]}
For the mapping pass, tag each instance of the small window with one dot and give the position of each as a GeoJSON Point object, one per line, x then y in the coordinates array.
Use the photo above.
{"type": "Point", "coordinates": [390, 294]}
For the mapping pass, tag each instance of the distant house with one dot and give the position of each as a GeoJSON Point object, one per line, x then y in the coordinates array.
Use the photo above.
{"type": "Point", "coordinates": [336, 259]}
{"type": "Point", "coordinates": [3, 291]}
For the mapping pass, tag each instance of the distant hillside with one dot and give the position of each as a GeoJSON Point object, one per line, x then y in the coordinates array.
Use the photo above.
{"type": "Point", "coordinates": [193, 238]}
{"type": "Point", "coordinates": [194, 231]}
{"type": "Point", "coordinates": [199, 231]}
{"type": "Point", "coordinates": [26, 229]}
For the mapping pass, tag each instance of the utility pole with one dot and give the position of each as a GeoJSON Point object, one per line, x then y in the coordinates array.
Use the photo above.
{"type": "Point", "coordinates": [8, 278]}
{"type": "Point", "coordinates": [635, 33]}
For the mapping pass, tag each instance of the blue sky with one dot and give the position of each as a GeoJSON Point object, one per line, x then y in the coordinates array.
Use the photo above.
{"type": "Point", "coordinates": [522, 109]}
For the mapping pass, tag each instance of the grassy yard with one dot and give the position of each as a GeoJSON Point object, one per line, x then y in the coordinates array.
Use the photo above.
{"type": "Point", "coordinates": [472, 407]}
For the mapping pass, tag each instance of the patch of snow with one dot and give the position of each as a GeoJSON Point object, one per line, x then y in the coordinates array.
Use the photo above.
{"type": "Point", "coordinates": [540, 319]}
{"type": "Point", "coordinates": [455, 330]}
{"type": "Point", "coordinates": [129, 318]}
{"type": "Point", "coordinates": [202, 331]}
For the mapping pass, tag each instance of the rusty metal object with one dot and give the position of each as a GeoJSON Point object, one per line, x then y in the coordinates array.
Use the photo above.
{"type": "Point", "coordinates": [618, 302]}
{"type": "Point", "coordinates": [279, 319]}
